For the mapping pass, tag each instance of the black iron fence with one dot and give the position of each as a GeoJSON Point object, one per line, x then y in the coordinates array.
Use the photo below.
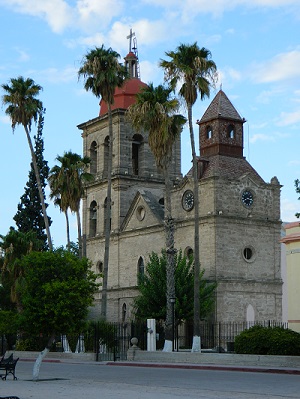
{"type": "Point", "coordinates": [218, 336]}
{"type": "Point", "coordinates": [111, 341]}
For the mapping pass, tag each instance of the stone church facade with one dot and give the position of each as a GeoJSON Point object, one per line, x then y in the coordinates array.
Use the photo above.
{"type": "Point", "coordinates": [239, 213]}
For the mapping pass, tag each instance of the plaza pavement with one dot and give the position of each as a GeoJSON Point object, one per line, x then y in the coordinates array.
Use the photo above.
{"type": "Point", "coordinates": [49, 386]}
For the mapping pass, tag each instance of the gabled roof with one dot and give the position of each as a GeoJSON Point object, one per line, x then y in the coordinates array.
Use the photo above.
{"type": "Point", "coordinates": [155, 210]}
{"type": "Point", "coordinates": [221, 107]}
{"type": "Point", "coordinates": [153, 204]}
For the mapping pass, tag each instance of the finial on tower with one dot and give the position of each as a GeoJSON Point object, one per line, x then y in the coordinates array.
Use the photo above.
{"type": "Point", "coordinates": [132, 61]}
{"type": "Point", "coordinates": [130, 36]}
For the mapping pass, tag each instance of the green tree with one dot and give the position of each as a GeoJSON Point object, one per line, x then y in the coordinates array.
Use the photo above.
{"type": "Point", "coordinates": [155, 112]}
{"type": "Point", "coordinates": [30, 214]}
{"type": "Point", "coordinates": [152, 303]}
{"type": "Point", "coordinates": [67, 187]}
{"type": "Point", "coordinates": [191, 67]}
{"type": "Point", "coordinates": [23, 107]}
{"type": "Point", "coordinates": [102, 74]}
{"type": "Point", "coordinates": [14, 246]}
{"type": "Point", "coordinates": [5, 290]}
{"type": "Point", "coordinates": [59, 288]}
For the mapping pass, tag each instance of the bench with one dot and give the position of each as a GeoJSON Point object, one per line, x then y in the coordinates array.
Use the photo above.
{"type": "Point", "coordinates": [9, 397]}
{"type": "Point", "coordinates": [8, 365]}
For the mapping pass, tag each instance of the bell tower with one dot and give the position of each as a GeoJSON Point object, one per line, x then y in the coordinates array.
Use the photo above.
{"type": "Point", "coordinates": [134, 171]}
{"type": "Point", "coordinates": [239, 220]}
{"type": "Point", "coordinates": [221, 129]}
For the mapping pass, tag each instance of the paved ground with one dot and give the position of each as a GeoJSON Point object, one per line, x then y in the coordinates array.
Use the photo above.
{"type": "Point", "coordinates": [67, 379]}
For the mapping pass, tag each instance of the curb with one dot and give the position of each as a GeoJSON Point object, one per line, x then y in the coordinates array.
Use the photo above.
{"type": "Point", "coordinates": [207, 367]}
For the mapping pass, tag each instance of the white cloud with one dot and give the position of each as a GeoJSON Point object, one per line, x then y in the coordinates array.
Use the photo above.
{"type": "Point", "coordinates": [23, 56]}
{"type": "Point", "coordinates": [259, 126]}
{"type": "Point", "coordinates": [284, 66]}
{"type": "Point", "coordinates": [97, 14]}
{"type": "Point", "coordinates": [218, 7]}
{"type": "Point", "coordinates": [86, 14]}
{"type": "Point", "coordinates": [151, 73]}
{"type": "Point", "coordinates": [227, 76]}
{"type": "Point", "coordinates": [289, 118]}
{"type": "Point", "coordinates": [57, 13]}
{"type": "Point", "coordinates": [260, 137]}
{"type": "Point", "coordinates": [57, 76]}
{"type": "Point", "coordinates": [87, 41]}
{"type": "Point", "coordinates": [267, 95]}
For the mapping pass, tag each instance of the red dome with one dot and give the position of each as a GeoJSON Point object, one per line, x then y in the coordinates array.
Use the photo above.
{"type": "Point", "coordinates": [124, 96]}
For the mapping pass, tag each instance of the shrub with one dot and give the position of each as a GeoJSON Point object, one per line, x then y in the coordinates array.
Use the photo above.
{"type": "Point", "coordinates": [259, 340]}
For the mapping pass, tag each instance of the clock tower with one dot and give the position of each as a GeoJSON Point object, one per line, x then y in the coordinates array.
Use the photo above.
{"type": "Point", "coordinates": [239, 221]}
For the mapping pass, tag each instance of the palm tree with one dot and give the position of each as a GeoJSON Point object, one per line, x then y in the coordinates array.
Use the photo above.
{"type": "Point", "coordinates": [23, 107]}
{"type": "Point", "coordinates": [155, 112]}
{"type": "Point", "coordinates": [102, 74]}
{"type": "Point", "coordinates": [58, 195]}
{"type": "Point", "coordinates": [67, 186]}
{"type": "Point", "coordinates": [192, 67]}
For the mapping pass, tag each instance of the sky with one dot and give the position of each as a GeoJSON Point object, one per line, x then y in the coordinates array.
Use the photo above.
{"type": "Point", "coordinates": [254, 43]}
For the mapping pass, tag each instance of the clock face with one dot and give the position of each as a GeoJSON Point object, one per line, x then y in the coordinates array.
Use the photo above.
{"type": "Point", "coordinates": [188, 200]}
{"type": "Point", "coordinates": [247, 198]}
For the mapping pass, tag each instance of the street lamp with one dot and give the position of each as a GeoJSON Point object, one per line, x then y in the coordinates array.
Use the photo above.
{"type": "Point", "coordinates": [173, 300]}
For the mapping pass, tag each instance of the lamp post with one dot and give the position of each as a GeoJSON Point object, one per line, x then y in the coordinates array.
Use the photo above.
{"type": "Point", "coordinates": [173, 300]}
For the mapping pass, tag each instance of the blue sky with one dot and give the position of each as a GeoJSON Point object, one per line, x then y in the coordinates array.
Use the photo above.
{"type": "Point", "coordinates": [255, 44]}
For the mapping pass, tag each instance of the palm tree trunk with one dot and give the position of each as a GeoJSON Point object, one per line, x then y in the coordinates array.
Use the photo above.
{"type": "Point", "coordinates": [79, 231]}
{"type": "Point", "coordinates": [68, 229]}
{"type": "Point", "coordinates": [107, 217]}
{"type": "Point", "coordinates": [170, 253]}
{"type": "Point", "coordinates": [196, 335]}
{"type": "Point", "coordinates": [38, 180]}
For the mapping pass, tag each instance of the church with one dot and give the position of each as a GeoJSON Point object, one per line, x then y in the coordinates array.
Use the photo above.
{"type": "Point", "coordinates": [239, 213]}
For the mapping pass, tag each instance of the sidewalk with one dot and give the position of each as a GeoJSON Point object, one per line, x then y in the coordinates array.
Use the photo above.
{"type": "Point", "coordinates": [240, 368]}
{"type": "Point", "coordinates": [184, 360]}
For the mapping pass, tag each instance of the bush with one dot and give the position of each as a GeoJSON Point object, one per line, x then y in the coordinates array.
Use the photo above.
{"type": "Point", "coordinates": [259, 340]}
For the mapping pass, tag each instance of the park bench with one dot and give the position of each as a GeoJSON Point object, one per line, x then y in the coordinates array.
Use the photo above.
{"type": "Point", "coordinates": [8, 365]}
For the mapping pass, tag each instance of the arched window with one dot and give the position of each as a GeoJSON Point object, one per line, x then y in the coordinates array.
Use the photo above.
{"type": "Point", "coordinates": [124, 310]}
{"type": "Point", "coordinates": [105, 209]}
{"type": "Point", "coordinates": [140, 267]}
{"type": "Point", "coordinates": [93, 157]}
{"type": "Point", "coordinates": [188, 252]}
{"type": "Point", "coordinates": [137, 140]}
{"type": "Point", "coordinates": [209, 132]}
{"type": "Point", "coordinates": [93, 219]}
{"type": "Point", "coordinates": [105, 156]}
{"type": "Point", "coordinates": [230, 131]}
{"type": "Point", "coordinates": [99, 267]}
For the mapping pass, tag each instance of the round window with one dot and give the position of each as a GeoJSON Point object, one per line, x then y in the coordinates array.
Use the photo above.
{"type": "Point", "coordinates": [140, 213]}
{"type": "Point", "coordinates": [249, 254]}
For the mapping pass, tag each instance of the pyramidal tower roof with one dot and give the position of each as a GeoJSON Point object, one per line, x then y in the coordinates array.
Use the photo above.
{"type": "Point", "coordinates": [220, 107]}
